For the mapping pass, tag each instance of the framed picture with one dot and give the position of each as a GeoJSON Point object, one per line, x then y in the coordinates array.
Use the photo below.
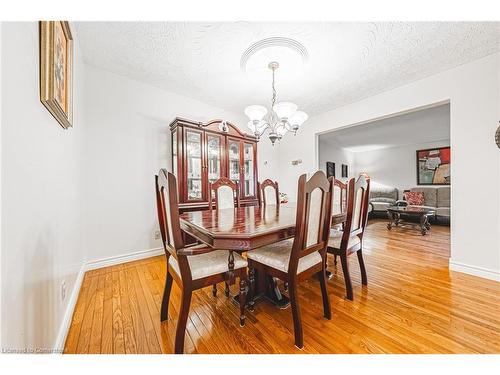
{"type": "Point", "coordinates": [330, 169]}
{"type": "Point", "coordinates": [433, 166]}
{"type": "Point", "coordinates": [56, 70]}
{"type": "Point", "coordinates": [344, 171]}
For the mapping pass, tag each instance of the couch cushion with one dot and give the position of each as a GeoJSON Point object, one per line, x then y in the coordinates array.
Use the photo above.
{"type": "Point", "coordinates": [381, 191]}
{"type": "Point", "coordinates": [380, 206]}
{"type": "Point", "coordinates": [336, 239]}
{"type": "Point", "coordinates": [443, 196]}
{"type": "Point", "coordinates": [208, 264]}
{"type": "Point", "coordinates": [277, 256]}
{"type": "Point", "coordinates": [430, 195]}
{"type": "Point", "coordinates": [443, 211]}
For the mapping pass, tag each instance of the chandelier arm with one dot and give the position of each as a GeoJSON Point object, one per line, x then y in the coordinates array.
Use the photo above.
{"type": "Point", "coordinates": [274, 91]}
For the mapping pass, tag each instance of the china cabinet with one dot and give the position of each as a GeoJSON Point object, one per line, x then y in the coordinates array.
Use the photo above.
{"type": "Point", "coordinates": [204, 152]}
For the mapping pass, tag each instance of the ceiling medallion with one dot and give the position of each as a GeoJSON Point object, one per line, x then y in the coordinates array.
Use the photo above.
{"type": "Point", "coordinates": [281, 118]}
{"type": "Point", "coordinates": [273, 43]}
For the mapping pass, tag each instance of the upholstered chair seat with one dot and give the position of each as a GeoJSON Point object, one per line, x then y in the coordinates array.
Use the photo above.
{"type": "Point", "coordinates": [208, 264]}
{"type": "Point", "coordinates": [336, 239]}
{"type": "Point", "coordinates": [277, 256]}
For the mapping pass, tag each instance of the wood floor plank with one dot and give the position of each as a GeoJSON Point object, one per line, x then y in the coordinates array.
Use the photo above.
{"type": "Point", "coordinates": [107, 315]}
{"type": "Point", "coordinates": [128, 325]}
{"type": "Point", "coordinates": [137, 323]}
{"type": "Point", "coordinates": [117, 316]}
{"type": "Point", "coordinates": [412, 304]}
{"type": "Point", "coordinates": [96, 333]}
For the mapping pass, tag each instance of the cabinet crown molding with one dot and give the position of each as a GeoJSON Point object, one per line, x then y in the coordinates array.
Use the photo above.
{"type": "Point", "coordinates": [213, 125]}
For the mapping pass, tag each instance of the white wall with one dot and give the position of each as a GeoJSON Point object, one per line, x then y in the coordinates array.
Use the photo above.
{"type": "Point", "coordinates": [41, 197]}
{"type": "Point", "coordinates": [394, 166]}
{"type": "Point", "coordinates": [331, 151]}
{"type": "Point", "coordinates": [473, 92]}
{"type": "Point", "coordinates": [127, 141]}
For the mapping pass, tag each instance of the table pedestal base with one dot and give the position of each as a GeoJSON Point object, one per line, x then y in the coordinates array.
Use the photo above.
{"type": "Point", "coordinates": [271, 293]}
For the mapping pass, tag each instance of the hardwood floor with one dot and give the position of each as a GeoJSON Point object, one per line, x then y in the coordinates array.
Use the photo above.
{"type": "Point", "coordinates": [412, 304]}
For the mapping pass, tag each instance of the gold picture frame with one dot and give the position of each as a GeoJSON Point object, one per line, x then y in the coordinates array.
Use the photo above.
{"type": "Point", "coordinates": [56, 70]}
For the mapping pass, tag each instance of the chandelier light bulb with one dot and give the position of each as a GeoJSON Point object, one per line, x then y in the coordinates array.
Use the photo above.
{"type": "Point", "coordinates": [255, 112]}
{"type": "Point", "coordinates": [285, 110]}
{"type": "Point", "coordinates": [297, 119]}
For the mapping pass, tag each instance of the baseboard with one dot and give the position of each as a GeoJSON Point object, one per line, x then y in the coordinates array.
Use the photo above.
{"type": "Point", "coordinates": [475, 271]}
{"type": "Point", "coordinates": [87, 266]}
{"type": "Point", "coordinates": [68, 314]}
{"type": "Point", "coordinates": [119, 259]}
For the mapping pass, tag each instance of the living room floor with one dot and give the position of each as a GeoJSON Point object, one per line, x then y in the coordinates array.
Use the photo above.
{"type": "Point", "coordinates": [412, 304]}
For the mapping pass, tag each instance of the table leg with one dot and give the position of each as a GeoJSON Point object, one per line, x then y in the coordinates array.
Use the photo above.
{"type": "Point", "coordinates": [424, 224]}
{"type": "Point", "coordinates": [390, 215]}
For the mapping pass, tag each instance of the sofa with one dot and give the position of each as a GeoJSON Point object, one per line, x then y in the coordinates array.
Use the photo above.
{"type": "Point", "coordinates": [435, 198]}
{"type": "Point", "coordinates": [380, 198]}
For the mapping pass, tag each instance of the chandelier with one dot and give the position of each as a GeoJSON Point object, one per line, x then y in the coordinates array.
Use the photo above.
{"type": "Point", "coordinates": [282, 118]}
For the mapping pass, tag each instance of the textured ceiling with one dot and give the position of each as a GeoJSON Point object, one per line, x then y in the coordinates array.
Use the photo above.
{"type": "Point", "coordinates": [346, 61]}
{"type": "Point", "coordinates": [433, 125]}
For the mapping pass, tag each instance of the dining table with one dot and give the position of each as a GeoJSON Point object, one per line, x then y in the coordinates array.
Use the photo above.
{"type": "Point", "coordinates": [247, 228]}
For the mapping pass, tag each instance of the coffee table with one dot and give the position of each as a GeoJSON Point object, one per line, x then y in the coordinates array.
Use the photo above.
{"type": "Point", "coordinates": [397, 214]}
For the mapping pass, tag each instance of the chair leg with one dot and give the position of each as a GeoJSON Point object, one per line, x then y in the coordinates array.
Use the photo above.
{"type": "Point", "coordinates": [364, 278]}
{"type": "Point", "coordinates": [242, 298]}
{"type": "Point", "coordinates": [297, 324]}
{"type": "Point", "coordinates": [181, 323]}
{"type": "Point", "coordinates": [226, 290]}
{"type": "Point", "coordinates": [251, 273]}
{"type": "Point", "coordinates": [327, 311]}
{"type": "Point", "coordinates": [166, 296]}
{"type": "Point", "coordinates": [347, 277]}
{"type": "Point", "coordinates": [214, 290]}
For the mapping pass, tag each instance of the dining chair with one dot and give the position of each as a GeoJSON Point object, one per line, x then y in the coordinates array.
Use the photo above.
{"type": "Point", "coordinates": [223, 193]}
{"type": "Point", "coordinates": [191, 267]}
{"type": "Point", "coordinates": [303, 256]}
{"type": "Point", "coordinates": [269, 193]}
{"type": "Point", "coordinates": [348, 241]}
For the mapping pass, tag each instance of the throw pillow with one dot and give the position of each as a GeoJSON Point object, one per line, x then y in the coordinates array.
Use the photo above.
{"type": "Point", "coordinates": [414, 198]}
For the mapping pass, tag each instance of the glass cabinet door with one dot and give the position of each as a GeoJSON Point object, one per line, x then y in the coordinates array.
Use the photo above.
{"type": "Point", "coordinates": [234, 160]}
{"type": "Point", "coordinates": [214, 153]}
{"type": "Point", "coordinates": [249, 170]}
{"type": "Point", "coordinates": [194, 165]}
{"type": "Point", "coordinates": [174, 154]}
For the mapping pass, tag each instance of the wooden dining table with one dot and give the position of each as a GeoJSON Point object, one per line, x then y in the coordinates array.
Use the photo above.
{"type": "Point", "coordinates": [245, 229]}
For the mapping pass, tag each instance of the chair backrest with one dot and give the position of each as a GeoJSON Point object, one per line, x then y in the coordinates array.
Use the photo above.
{"type": "Point", "coordinates": [313, 217]}
{"type": "Point", "coordinates": [226, 193]}
{"type": "Point", "coordinates": [167, 205]}
{"type": "Point", "coordinates": [270, 193]}
{"type": "Point", "coordinates": [358, 193]}
{"type": "Point", "coordinates": [339, 196]}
